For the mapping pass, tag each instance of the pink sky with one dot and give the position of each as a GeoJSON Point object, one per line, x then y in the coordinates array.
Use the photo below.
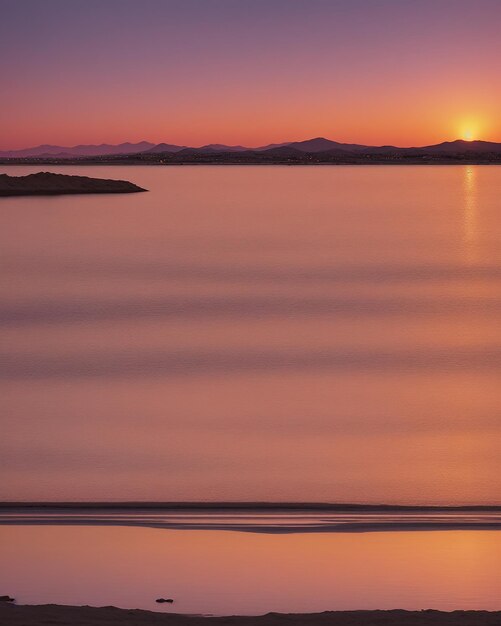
{"type": "Point", "coordinates": [197, 72]}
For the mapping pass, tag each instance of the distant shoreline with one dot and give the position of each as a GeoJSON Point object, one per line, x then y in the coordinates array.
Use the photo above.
{"type": "Point", "coordinates": [314, 151]}
{"type": "Point", "coordinates": [132, 162]}
{"type": "Point", "coordinates": [267, 518]}
{"type": "Point", "coordinates": [243, 506]}
{"type": "Point", "coordinates": [33, 615]}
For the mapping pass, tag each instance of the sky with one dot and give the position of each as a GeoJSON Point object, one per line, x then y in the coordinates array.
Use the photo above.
{"type": "Point", "coordinates": [193, 72]}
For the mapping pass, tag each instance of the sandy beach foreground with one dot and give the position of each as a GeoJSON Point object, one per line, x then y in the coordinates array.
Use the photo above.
{"type": "Point", "coordinates": [15, 615]}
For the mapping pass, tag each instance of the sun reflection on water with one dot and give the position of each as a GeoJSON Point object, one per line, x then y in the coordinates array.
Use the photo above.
{"type": "Point", "coordinates": [470, 214]}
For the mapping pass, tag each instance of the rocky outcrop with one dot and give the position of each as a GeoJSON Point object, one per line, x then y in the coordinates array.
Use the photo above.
{"type": "Point", "coordinates": [47, 183]}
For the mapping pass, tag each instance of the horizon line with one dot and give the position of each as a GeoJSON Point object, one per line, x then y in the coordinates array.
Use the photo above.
{"type": "Point", "coordinates": [193, 504]}
{"type": "Point", "coordinates": [248, 147]}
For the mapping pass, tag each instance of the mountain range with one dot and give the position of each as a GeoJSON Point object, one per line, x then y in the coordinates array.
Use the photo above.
{"type": "Point", "coordinates": [316, 146]}
{"type": "Point", "coordinates": [47, 150]}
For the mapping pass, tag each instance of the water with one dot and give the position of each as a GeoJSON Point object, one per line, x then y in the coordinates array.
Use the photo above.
{"type": "Point", "coordinates": [254, 333]}
{"type": "Point", "coordinates": [225, 572]}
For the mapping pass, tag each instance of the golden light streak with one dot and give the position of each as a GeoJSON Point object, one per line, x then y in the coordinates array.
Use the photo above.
{"type": "Point", "coordinates": [470, 214]}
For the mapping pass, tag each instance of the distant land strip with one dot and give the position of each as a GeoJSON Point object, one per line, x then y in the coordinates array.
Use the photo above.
{"type": "Point", "coordinates": [310, 152]}
{"type": "Point", "coordinates": [33, 615]}
{"type": "Point", "coordinates": [244, 506]}
{"type": "Point", "coordinates": [267, 518]}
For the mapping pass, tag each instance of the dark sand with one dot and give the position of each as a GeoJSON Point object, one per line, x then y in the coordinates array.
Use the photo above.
{"type": "Point", "coordinates": [274, 518]}
{"type": "Point", "coordinates": [47, 183]}
{"type": "Point", "coordinates": [13, 615]}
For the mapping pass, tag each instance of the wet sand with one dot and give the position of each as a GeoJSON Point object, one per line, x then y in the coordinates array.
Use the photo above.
{"type": "Point", "coordinates": [13, 615]}
{"type": "Point", "coordinates": [272, 518]}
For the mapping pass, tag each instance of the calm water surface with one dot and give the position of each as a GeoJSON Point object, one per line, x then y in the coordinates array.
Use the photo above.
{"type": "Point", "coordinates": [222, 572]}
{"type": "Point", "coordinates": [255, 333]}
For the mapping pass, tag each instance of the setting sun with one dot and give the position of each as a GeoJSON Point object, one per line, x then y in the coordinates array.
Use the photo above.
{"type": "Point", "coordinates": [250, 347]}
{"type": "Point", "coordinates": [471, 128]}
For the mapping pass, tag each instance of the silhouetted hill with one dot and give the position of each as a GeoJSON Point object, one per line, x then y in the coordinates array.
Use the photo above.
{"type": "Point", "coordinates": [220, 147]}
{"type": "Point", "coordinates": [165, 147]}
{"type": "Point", "coordinates": [320, 144]}
{"type": "Point", "coordinates": [271, 145]}
{"type": "Point", "coordinates": [285, 151]}
{"type": "Point", "coordinates": [81, 150]}
{"type": "Point", "coordinates": [460, 147]}
{"type": "Point", "coordinates": [317, 150]}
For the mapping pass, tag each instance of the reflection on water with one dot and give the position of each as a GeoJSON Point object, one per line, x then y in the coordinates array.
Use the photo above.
{"type": "Point", "coordinates": [224, 572]}
{"type": "Point", "coordinates": [471, 226]}
{"type": "Point", "coordinates": [255, 333]}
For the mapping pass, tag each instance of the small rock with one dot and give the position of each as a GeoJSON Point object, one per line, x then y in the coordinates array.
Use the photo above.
{"type": "Point", "coordinates": [6, 599]}
{"type": "Point", "coordinates": [162, 600]}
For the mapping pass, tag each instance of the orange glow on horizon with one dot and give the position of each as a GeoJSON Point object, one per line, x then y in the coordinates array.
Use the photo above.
{"type": "Point", "coordinates": [253, 73]}
{"type": "Point", "coordinates": [405, 127]}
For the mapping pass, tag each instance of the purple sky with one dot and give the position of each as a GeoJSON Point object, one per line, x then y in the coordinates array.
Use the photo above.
{"type": "Point", "coordinates": [233, 71]}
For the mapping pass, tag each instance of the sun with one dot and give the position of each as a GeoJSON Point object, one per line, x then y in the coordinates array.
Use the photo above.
{"type": "Point", "coordinates": [470, 129]}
